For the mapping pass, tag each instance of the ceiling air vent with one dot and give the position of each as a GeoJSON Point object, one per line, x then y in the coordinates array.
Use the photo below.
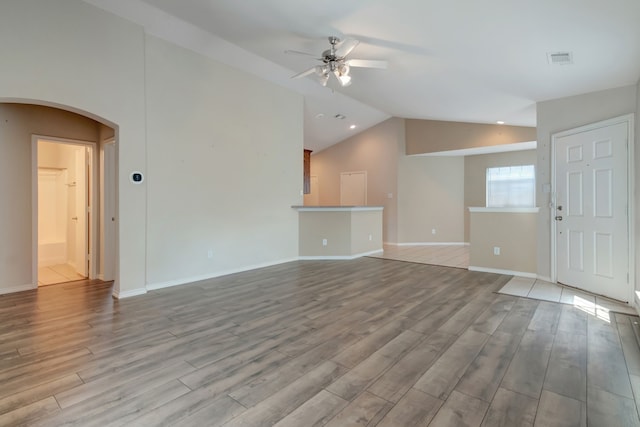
{"type": "Point", "coordinates": [560, 58]}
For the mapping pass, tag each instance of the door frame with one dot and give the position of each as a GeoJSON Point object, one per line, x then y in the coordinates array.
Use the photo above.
{"type": "Point", "coordinates": [629, 120]}
{"type": "Point", "coordinates": [93, 199]}
{"type": "Point", "coordinates": [108, 204]}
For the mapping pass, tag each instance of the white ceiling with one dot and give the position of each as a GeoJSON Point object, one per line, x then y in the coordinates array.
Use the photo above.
{"type": "Point", "coordinates": [459, 60]}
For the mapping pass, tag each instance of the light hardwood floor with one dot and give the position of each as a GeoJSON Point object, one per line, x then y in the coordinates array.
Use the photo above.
{"type": "Point", "coordinates": [338, 343]}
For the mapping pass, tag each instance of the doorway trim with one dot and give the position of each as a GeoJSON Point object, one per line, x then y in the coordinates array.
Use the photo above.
{"type": "Point", "coordinates": [629, 120]}
{"type": "Point", "coordinates": [93, 189]}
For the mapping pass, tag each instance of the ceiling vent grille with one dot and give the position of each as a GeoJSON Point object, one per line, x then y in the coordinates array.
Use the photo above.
{"type": "Point", "coordinates": [560, 58]}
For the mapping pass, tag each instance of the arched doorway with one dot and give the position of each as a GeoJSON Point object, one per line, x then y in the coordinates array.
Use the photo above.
{"type": "Point", "coordinates": [24, 125]}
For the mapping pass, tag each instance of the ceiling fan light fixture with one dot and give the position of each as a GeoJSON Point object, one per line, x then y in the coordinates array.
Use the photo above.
{"type": "Point", "coordinates": [345, 80]}
{"type": "Point", "coordinates": [342, 74]}
{"type": "Point", "coordinates": [323, 79]}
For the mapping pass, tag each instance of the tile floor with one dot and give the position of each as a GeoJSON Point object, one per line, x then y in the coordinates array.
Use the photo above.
{"type": "Point", "coordinates": [545, 291]}
{"type": "Point", "coordinates": [60, 273]}
{"type": "Point", "coordinates": [445, 255]}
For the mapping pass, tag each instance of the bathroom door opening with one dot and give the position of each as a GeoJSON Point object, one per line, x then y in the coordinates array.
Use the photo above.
{"type": "Point", "coordinates": [64, 204]}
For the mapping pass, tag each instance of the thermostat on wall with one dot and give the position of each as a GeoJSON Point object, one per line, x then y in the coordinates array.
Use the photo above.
{"type": "Point", "coordinates": [137, 177]}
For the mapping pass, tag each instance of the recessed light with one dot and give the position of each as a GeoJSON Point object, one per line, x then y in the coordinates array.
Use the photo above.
{"type": "Point", "coordinates": [319, 116]}
{"type": "Point", "coordinates": [500, 122]}
{"type": "Point", "coordinates": [352, 127]}
{"type": "Point", "coordinates": [340, 116]}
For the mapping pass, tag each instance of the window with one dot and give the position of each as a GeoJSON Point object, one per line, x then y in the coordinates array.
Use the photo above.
{"type": "Point", "coordinates": [511, 187]}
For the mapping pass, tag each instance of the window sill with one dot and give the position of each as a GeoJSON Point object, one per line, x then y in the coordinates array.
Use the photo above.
{"type": "Point", "coordinates": [504, 210]}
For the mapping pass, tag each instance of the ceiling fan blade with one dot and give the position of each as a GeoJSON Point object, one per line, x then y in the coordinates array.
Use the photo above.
{"type": "Point", "coordinates": [305, 73]}
{"type": "Point", "coordinates": [368, 63]}
{"type": "Point", "coordinates": [345, 47]}
{"type": "Point", "coordinates": [297, 52]}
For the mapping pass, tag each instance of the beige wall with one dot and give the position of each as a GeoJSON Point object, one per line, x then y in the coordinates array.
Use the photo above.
{"type": "Point", "coordinates": [206, 125]}
{"type": "Point", "coordinates": [17, 124]}
{"type": "Point", "coordinates": [513, 233]}
{"type": "Point", "coordinates": [431, 136]}
{"type": "Point", "coordinates": [475, 182]}
{"type": "Point", "coordinates": [366, 224]}
{"type": "Point", "coordinates": [347, 233]}
{"type": "Point", "coordinates": [374, 150]}
{"type": "Point", "coordinates": [430, 196]}
{"type": "Point", "coordinates": [224, 164]}
{"type": "Point", "coordinates": [564, 114]}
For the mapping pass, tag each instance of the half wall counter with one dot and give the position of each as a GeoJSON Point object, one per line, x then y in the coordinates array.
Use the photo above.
{"type": "Point", "coordinates": [339, 232]}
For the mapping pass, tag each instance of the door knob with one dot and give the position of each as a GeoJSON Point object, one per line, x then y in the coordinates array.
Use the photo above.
{"type": "Point", "coordinates": [559, 207]}
{"type": "Point", "coordinates": [558, 218]}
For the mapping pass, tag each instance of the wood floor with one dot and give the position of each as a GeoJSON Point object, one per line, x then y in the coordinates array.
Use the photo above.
{"type": "Point", "coordinates": [368, 342]}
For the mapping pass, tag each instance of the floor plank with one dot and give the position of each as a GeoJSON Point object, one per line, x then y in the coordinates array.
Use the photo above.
{"type": "Point", "coordinates": [510, 409]}
{"type": "Point", "coordinates": [555, 410]}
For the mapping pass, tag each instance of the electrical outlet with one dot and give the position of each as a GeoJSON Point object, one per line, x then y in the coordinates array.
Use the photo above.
{"type": "Point", "coordinates": [210, 253]}
{"type": "Point", "coordinates": [370, 237]}
{"type": "Point", "coordinates": [433, 231]}
{"type": "Point", "coordinates": [324, 242]}
{"type": "Point", "coordinates": [496, 250]}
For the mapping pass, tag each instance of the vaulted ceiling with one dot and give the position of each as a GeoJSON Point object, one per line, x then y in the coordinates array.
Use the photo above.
{"type": "Point", "coordinates": [459, 60]}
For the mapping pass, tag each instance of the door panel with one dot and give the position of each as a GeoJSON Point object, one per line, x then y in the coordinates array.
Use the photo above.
{"type": "Point", "coordinates": [353, 188]}
{"type": "Point", "coordinates": [591, 213]}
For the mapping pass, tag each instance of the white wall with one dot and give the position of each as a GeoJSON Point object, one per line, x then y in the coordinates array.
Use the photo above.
{"type": "Point", "coordinates": [637, 195]}
{"type": "Point", "coordinates": [71, 54]}
{"type": "Point", "coordinates": [563, 114]}
{"type": "Point", "coordinates": [224, 164]}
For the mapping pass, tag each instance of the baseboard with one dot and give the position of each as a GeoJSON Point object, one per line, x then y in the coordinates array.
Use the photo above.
{"type": "Point", "coordinates": [505, 272]}
{"type": "Point", "coordinates": [337, 257]}
{"type": "Point", "coordinates": [20, 288]}
{"type": "Point", "coordinates": [130, 293]}
{"type": "Point", "coordinates": [545, 278]}
{"type": "Point", "coordinates": [101, 277]}
{"type": "Point", "coordinates": [430, 244]}
{"type": "Point", "coordinates": [188, 280]}
{"type": "Point", "coordinates": [636, 301]}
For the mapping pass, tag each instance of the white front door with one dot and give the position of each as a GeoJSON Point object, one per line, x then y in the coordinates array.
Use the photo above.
{"type": "Point", "coordinates": [592, 236]}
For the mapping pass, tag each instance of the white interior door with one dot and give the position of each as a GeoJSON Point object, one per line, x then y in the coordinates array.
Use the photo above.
{"type": "Point", "coordinates": [591, 210]}
{"type": "Point", "coordinates": [353, 188]}
{"type": "Point", "coordinates": [109, 211]}
{"type": "Point", "coordinates": [81, 212]}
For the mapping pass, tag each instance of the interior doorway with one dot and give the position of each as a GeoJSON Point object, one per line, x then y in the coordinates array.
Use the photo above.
{"type": "Point", "coordinates": [65, 202]}
{"type": "Point", "coordinates": [353, 188]}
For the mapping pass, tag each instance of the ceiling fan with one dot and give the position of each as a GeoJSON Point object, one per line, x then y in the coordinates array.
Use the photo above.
{"type": "Point", "coordinates": [335, 62]}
